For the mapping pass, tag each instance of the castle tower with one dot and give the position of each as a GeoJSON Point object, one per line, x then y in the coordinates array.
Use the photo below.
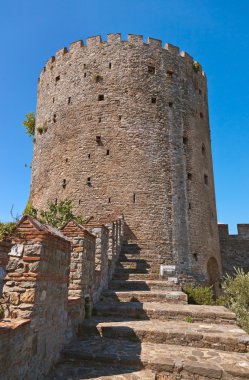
{"type": "Point", "coordinates": [123, 126]}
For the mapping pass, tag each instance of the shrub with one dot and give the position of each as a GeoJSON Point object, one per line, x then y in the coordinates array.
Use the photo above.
{"type": "Point", "coordinates": [40, 130]}
{"type": "Point", "coordinates": [199, 295]}
{"type": "Point", "coordinates": [30, 210]}
{"type": "Point", "coordinates": [189, 319]}
{"type": "Point", "coordinates": [29, 123]}
{"type": "Point", "coordinates": [237, 295]}
{"type": "Point", "coordinates": [6, 229]}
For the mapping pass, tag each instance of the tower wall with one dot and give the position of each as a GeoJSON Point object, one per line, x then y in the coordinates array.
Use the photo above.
{"type": "Point", "coordinates": [123, 127]}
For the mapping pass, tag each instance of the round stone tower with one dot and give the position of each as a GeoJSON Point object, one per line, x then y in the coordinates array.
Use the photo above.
{"type": "Point", "coordinates": [123, 126]}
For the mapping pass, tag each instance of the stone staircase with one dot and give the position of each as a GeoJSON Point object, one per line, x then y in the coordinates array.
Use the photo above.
{"type": "Point", "coordinates": [143, 329]}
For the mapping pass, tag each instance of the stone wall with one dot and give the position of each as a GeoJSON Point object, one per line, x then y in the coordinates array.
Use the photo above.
{"type": "Point", "coordinates": [48, 291]}
{"type": "Point", "coordinates": [127, 124]}
{"type": "Point", "coordinates": [234, 248]}
{"type": "Point", "coordinates": [4, 249]}
{"type": "Point", "coordinates": [35, 289]}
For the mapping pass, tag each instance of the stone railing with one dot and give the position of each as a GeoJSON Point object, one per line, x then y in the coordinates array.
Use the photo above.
{"type": "Point", "coordinates": [52, 276]}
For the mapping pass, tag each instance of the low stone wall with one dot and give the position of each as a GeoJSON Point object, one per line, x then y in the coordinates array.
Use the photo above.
{"type": "Point", "coordinates": [234, 248]}
{"type": "Point", "coordinates": [4, 249]}
{"type": "Point", "coordinates": [35, 289]}
{"type": "Point", "coordinates": [52, 278]}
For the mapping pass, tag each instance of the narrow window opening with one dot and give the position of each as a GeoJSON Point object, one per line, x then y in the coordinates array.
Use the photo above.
{"type": "Point", "coordinates": [206, 179]}
{"type": "Point", "coordinates": [170, 73]}
{"type": "Point", "coordinates": [189, 206]}
{"type": "Point", "coordinates": [57, 79]}
{"type": "Point", "coordinates": [98, 78]}
{"type": "Point", "coordinates": [53, 100]}
{"type": "Point", "coordinates": [119, 117]}
{"type": "Point", "coordinates": [108, 152]}
{"type": "Point", "coordinates": [79, 201]}
{"type": "Point", "coordinates": [153, 100]}
{"type": "Point", "coordinates": [84, 75]}
{"type": "Point", "coordinates": [88, 181]}
{"type": "Point", "coordinates": [109, 200]}
{"type": "Point", "coordinates": [110, 65]}
{"type": "Point", "coordinates": [66, 159]}
{"type": "Point", "coordinates": [170, 104]}
{"type": "Point", "coordinates": [98, 139]}
{"type": "Point", "coordinates": [89, 155]}
{"type": "Point", "coordinates": [100, 119]}
{"type": "Point", "coordinates": [190, 176]}
{"type": "Point", "coordinates": [199, 91]}
{"type": "Point", "coordinates": [185, 140]}
{"type": "Point", "coordinates": [64, 183]}
{"type": "Point", "coordinates": [54, 118]}
{"type": "Point", "coordinates": [201, 115]}
{"type": "Point", "coordinates": [69, 100]}
{"type": "Point", "coordinates": [100, 98]}
{"type": "Point", "coordinates": [55, 201]}
{"type": "Point", "coordinates": [134, 198]}
{"type": "Point", "coordinates": [151, 69]}
{"type": "Point", "coordinates": [84, 66]}
{"type": "Point", "coordinates": [195, 256]}
{"type": "Point", "coordinates": [203, 149]}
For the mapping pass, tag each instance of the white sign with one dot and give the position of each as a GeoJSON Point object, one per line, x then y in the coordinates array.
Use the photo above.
{"type": "Point", "coordinates": [167, 269]}
{"type": "Point", "coordinates": [16, 250]}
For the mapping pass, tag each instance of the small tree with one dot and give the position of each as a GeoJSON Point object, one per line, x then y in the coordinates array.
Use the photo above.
{"type": "Point", "coordinates": [29, 123]}
{"type": "Point", "coordinates": [56, 215]}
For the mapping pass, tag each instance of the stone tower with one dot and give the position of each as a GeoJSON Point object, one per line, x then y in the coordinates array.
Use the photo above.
{"type": "Point", "coordinates": [123, 126]}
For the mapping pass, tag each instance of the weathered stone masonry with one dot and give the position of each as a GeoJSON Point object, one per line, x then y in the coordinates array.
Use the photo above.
{"type": "Point", "coordinates": [50, 273]}
{"type": "Point", "coordinates": [234, 248]}
{"type": "Point", "coordinates": [126, 129]}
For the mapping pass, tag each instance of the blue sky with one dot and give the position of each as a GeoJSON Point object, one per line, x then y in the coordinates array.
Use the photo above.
{"type": "Point", "coordinates": [214, 32]}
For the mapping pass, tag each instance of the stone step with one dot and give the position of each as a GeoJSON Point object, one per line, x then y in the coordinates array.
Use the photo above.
{"type": "Point", "coordinates": [143, 285]}
{"type": "Point", "coordinates": [202, 335]}
{"type": "Point", "coordinates": [149, 257]}
{"type": "Point", "coordinates": [125, 271]}
{"type": "Point", "coordinates": [171, 360]}
{"type": "Point", "coordinates": [144, 296]}
{"type": "Point", "coordinates": [166, 311]}
{"type": "Point", "coordinates": [135, 276]}
{"type": "Point", "coordinates": [135, 264]}
{"type": "Point", "coordinates": [69, 370]}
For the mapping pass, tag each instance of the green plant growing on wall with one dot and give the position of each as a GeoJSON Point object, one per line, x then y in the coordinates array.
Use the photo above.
{"type": "Point", "coordinates": [196, 66]}
{"type": "Point", "coordinates": [30, 210]}
{"type": "Point", "coordinates": [29, 123]}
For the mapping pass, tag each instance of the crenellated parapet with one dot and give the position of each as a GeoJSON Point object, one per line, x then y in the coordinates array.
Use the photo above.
{"type": "Point", "coordinates": [234, 248]}
{"type": "Point", "coordinates": [133, 41]}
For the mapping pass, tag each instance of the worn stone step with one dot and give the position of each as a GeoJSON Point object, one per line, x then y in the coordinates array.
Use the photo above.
{"type": "Point", "coordinates": [166, 311]}
{"type": "Point", "coordinates": [149, 257]}
{"type": "Point", "coordinates": [126, 271]}
{"type": "Point", "coordinates": [171, 360]}
{"type": "Point", "coordinates": [145, 296]}
{"type": "Point", "coordinates": [143, 285]}
{"type": "Point", "coordinates": [135, 276]}
{"type": "Point", "coordinates": [202, 335]}
{"type": "Point", "coordinates": [70, 370]}
{"type": "Point", "coordinates": [134, 264]}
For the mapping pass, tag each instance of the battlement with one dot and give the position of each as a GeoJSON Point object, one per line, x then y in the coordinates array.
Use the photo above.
{"type": "Point", "coordinates": [135, 40]}
{"type": "Point", "coordinates": [243, 231]}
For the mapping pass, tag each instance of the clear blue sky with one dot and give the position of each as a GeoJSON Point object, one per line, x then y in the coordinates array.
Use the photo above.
{"type": "Point", "coordinates": [214, 32]}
